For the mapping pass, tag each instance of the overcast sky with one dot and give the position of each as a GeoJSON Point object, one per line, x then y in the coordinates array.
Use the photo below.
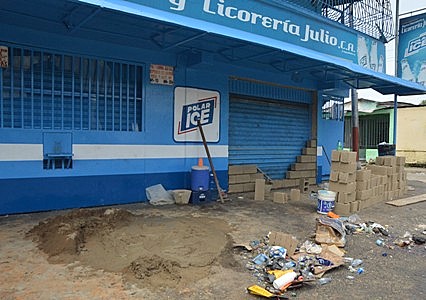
{"type": "Point", "coordinates": [405, 6]}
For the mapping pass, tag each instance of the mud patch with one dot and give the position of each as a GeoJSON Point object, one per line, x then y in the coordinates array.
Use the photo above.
{"type": "Point", "coordinates": [150, 251]}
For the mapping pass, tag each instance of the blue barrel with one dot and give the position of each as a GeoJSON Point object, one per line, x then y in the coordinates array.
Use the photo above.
{"type": "Point", "coordinates": [200, 178]}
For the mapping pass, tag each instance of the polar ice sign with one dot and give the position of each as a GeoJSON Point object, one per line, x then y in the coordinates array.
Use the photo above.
{"type": "Point", "coordinates": [412, 49]}
{"type": "Point", "coordinates": [193, 105]}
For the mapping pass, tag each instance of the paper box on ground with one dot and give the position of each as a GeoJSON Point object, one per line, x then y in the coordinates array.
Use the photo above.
{"type": "Point", "coordinates": [348, 157]}
{"type": "Point", "coordinates": [335, 155]}
{"type": "Point", "coordinates": [285, 240]}
{"type": "Point", "coordinates": [330, 231]}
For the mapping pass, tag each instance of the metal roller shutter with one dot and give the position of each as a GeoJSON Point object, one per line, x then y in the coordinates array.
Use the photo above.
{"type": "Point", "coordinates": [268, 133]}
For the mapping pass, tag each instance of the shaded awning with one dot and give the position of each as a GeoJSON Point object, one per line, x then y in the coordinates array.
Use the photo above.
{"type": "Point", "coordinates": [140, 27]}
{"type": "Point", "coordinates": [257, 49]}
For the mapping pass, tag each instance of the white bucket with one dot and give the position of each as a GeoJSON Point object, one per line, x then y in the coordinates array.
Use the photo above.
{"type": "Point", "coordinates": [326, 201]}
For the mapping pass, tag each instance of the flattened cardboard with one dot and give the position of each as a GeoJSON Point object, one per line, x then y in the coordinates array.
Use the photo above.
{"type": "Point", "coordinates": [285, 240]}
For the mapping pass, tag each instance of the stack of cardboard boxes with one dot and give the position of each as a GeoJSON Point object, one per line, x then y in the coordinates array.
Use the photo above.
{"type": "Point", "coordinates": [343, 181]}
{"type": "Point", "coordinates": [357, 189]}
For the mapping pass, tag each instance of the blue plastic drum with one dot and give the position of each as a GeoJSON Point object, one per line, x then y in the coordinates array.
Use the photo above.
{"type": "Point", "coordinates": [200, 178]}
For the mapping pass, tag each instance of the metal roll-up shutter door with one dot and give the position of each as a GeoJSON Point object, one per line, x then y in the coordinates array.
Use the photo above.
{"type": "Point", "coordinates": [268, 133]}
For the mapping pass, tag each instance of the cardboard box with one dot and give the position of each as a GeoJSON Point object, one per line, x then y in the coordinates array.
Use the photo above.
{"type": "Point", "coordinates": [295, 195]}
{"type": "Point", "coordinates": [347, 167]}
{"type": "Point", "coordinates": [347, 177]}
{"type": "Point", "coordinates": [280, 197]}
{"type": "Point", "coordinates": [335, 155]}
{"type": "Point", "coordinates": [334, 176]}
{"type": "Point", "coordinates": [343, 209]}
{"type": "Point", "coordinates": [259, 191]}
{"type": "Point", "coordinates": [354, 206]}
{"type": "Point", "coordinates": [343, 197]}
{"type": "Point", "coordinates": [285, 240]}
{"type": "Point", "coordinates": [348, 157]}
{"type": "Point", "coordinates": [342, 187]}
{"type": "Point", "coordinates": [364, 195]}
{"type": "Point", "coordinates": [363, 175]}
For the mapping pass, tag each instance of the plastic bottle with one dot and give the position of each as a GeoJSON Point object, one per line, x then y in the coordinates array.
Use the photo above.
{"type": "Point", "coordinates": [339, 145]}
{"type": "Point", "coordinates": [283, 280]}
{"type": "Point", "coordinates": [380, 67]}
{"type": "Point", "coordinates": [324, 280]}
{"type": "Point", "coordinates": [363, 57]}
{"type": "Point", "coordinates": [374, 61]}
{"type": "Point", "coordinates": [421, 78]}
{"type": "Point", "coordinates": [379, 242]}
{"type": "Point", "coordinates": [407, 74]}
{"type": "Point", "coordinates": [356, 262]}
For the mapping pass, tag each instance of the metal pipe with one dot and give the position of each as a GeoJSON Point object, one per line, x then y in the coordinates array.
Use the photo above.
{"type": "Point", "coordinates": [355, 122]}
{"type": "Point", "coordinates": [395, 96]}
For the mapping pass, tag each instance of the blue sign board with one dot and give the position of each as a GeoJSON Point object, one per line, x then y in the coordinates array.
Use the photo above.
{"type": "Point", "coordinates": [412, 49]}
{"type": "Point", "coordinates": [277, 21]}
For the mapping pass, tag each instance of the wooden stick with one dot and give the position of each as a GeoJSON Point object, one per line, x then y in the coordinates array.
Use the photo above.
{"type": "Point", "coordinates": [210, 161]}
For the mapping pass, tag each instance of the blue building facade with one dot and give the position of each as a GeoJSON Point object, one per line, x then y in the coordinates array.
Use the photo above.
{"type": "Point", "coordinates": [100, 99]}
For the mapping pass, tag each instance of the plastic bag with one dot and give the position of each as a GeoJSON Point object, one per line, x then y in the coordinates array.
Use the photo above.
{"type": "Point", "coordinates": [157, 195]}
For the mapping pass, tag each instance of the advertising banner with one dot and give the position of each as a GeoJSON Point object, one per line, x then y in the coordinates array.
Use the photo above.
{"type": "Point", "coordinates": [412, 49]}
{"type": "Point", "coordinates": [272, 20]}
{"type": "Point", "coordinates": [191, 105]}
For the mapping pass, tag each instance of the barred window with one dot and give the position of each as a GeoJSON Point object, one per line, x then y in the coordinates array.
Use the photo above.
{"type": "Point", "coordinates": [46, 90]}
{"type": "Point", "coordinates": [332, 108]}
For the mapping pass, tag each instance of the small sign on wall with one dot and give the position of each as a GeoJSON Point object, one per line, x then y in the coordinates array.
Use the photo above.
{"type": "Point", "coordinates": [160, 74]}
{"type": "Point", "coordinates": [191, 105]}
{"type": "Point", "coordinates": [4, 57]}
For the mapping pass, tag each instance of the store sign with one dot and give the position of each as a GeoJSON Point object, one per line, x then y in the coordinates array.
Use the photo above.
{"type": "Point", "coordinates": [4, 57]}
{"type": "Point", "coordinates": [412, 49]}
{"type": "Point", "coordinates": [192, 106]}
{"type": "Point", "coordinates": [267, 19]}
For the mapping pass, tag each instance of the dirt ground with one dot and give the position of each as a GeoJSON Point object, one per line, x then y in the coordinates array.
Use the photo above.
{"type": "Point", "coordinates": [141, 251]}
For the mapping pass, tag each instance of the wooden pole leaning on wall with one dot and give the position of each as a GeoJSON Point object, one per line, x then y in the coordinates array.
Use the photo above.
{"type": "Point", "coordinates": [200, 127]}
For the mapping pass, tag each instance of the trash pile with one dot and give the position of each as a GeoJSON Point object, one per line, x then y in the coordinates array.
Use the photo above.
{"type": "Point", "coordinates": [280, 263]}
